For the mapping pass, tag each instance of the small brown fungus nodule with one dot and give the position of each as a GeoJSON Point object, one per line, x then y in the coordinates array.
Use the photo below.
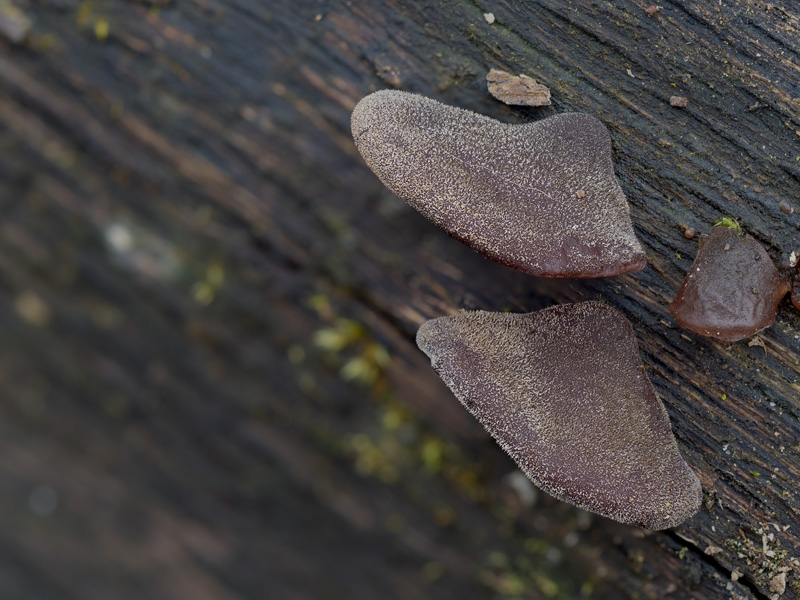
{"type": "Point", "coordinates": [732, 289]}
{"type": "Point", "coordinates": [507, 191]}
{"type": "Point", "coordinates": [564, 392]}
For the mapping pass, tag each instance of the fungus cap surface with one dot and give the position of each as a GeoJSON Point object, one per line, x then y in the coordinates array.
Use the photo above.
{"type": "Point", "coordinates": [540, 197]}
{"type": "Point", "coordinates": [564, 392]}
{"type": "Point", "coordinates": [732, 289]}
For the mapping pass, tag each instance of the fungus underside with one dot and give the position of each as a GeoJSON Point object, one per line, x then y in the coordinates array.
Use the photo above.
{"type": "Point", "coordinates": [540, 197]}
{"type": "Point", "coordinates": [564, 392]}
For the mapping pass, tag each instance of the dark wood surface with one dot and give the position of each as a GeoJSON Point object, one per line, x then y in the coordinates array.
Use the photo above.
{"type": "Point", "coordinates": [209, 382]}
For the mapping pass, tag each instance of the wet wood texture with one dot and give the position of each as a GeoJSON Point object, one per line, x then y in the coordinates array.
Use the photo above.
{"type": "Point", "coordinates": [209, 382]}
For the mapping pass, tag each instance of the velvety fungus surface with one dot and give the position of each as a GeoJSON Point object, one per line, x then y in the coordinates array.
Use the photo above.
{"type": "Point", "coordinates": [540, 197]}
{"type": "Point", "coordinates": [564, 392]}
{"type": "Point", "coordinates": [732, 290]}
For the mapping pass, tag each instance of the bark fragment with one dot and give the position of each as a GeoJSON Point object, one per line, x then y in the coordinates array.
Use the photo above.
{"type": "Point", "coordinates": [517, 90]}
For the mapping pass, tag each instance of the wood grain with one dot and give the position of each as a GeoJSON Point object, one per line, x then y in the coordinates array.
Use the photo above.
{"type": "Point", "coordinates": [193, 255]}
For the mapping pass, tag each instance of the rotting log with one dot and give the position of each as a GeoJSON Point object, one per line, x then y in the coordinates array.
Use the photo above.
{"type": "Point", "coordinates": [194, 260]}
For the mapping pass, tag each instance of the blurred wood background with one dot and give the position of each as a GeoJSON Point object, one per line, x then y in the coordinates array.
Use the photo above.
{"type": "Point", "coordinates": [209, 387]}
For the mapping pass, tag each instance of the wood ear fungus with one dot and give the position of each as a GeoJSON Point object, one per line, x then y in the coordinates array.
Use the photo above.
{"type": "Point", "coordinates": [732, 289]}
{"type": "Point", "coordinates": [540, 197]}
{"type": "Point", "coordinates": [564, 392]}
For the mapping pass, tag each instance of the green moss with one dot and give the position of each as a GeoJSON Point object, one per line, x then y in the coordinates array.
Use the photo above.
{"type": "Point", "coordinates": [433, 571]}
{"type": "Point", "coordinates": [432, 452]}
{"type": "Point", "coordinates": [208, 286]}
{"type": "Point", "coordinates": [730, 223]}
{"type": "Point", "coordinates": [369, 359]}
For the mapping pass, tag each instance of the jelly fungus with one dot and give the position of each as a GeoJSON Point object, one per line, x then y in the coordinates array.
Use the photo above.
{"type": "Point", "coordinates": [564, 392]}
{"type": "Point", "coordinates": [510, 192]}
{"type": "Point", "coordinates": [732, 290]}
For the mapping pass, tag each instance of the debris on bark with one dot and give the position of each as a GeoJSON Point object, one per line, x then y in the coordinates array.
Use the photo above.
{"type": "Point", "coordinates": [517, 90]}
{"type": "Point", "coordinates": [778, 583]}
{"type": "Point", "coordinates": [489, 17]}
{"type": "Point", "coordinates": [756, 106]}
{"type": "Point", "coordinates": [679, 101]}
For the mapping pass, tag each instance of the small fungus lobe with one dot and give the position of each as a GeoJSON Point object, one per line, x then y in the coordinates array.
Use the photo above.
{"type": "Point", "coordinates": [564, 392]}
{"type": "Point", "coordinates": [732, 289]}
{"type": "Point", "coordinates": [517, 90]}
{"type": "Point", "coordinates": [507, 191]}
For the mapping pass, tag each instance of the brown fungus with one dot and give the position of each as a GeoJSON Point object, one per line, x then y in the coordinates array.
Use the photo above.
{"type": "Point", "coordinates": [564, 392]}
{"type": "Point", "coordinates": [732, 290]}
{"type": "Point", "coordinates": [508, 191]}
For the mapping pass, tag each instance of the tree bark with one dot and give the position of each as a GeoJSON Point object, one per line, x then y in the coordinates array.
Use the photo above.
{"type": "Point", "coordinates": [208, 302]}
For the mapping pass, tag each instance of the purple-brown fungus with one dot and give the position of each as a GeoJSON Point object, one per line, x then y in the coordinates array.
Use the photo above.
{"type": "Point", "coordinates": [732, 290]}
{"type": "Point", "coordinates": [564, 392]}
{"type": "Point", "coordinates": [511, 192]}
